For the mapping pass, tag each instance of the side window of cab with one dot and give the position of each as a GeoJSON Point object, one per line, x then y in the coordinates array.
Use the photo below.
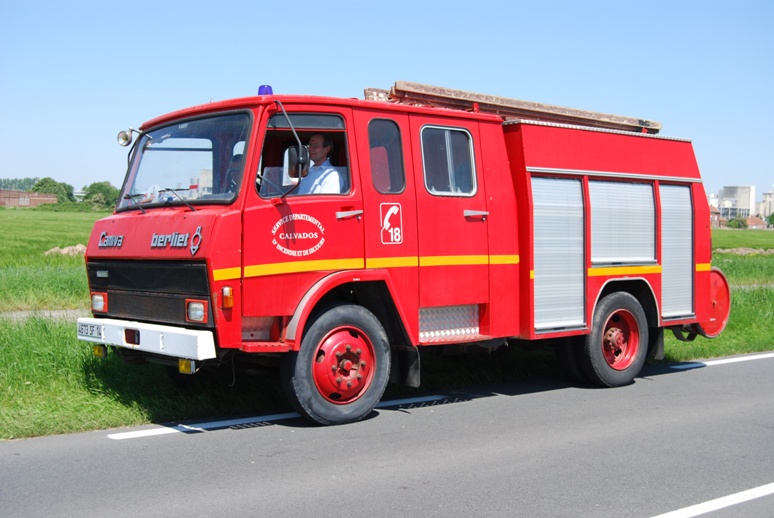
{"type": "Point", "coordinates": [447, 156]}
{"type": "Point", "coordinates": [387, 170]}
{"type": "Point", "coordinates": [323, 168]}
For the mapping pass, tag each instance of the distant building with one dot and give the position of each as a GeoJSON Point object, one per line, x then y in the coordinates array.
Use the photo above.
{"type": "Point", "coordinates": [737, 201]}
{"type": "Point", "coordinates": [766, 207]}
{"type": "Point", "coordinates": [201, 185]}
{"type": "Point", "coordinates": [755, 222]}
{"type": "Point", "coordinates": [714, 216]}
{"type": "Point", "coordinates": [24, 198]}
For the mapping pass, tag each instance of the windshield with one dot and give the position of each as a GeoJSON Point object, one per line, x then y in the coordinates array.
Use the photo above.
{"type": "Point", "coordinates": [193, 162]}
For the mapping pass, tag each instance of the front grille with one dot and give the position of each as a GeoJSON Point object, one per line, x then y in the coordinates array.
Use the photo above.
{"type": "Point", "coordinates": [160, 276]}
{"type": "Point", "coordinates": [150, 291]}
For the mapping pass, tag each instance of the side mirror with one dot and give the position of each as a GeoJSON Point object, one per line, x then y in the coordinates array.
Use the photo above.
{"type": "Point", "coordinates": [299, 156]}
{"type": "Point", "coordinates": [298, 159]}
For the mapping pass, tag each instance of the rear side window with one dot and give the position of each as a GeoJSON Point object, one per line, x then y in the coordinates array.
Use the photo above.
{"type": "Point", "coordinates": [387, 172]}
{"type": "Point", "coordinates": [447, 156]}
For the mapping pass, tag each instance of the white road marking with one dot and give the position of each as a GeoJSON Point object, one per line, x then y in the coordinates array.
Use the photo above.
{"type": "Point", "coordinates": [213, 425]}
{"type": "Point", "coordinates": [199, 427]}
{"type": "Point", "coordinates": [720, 503]}
{"type": "Point", "coordinates": [740, 359]}
{"type": "Point", "coordinates": [711, 363]}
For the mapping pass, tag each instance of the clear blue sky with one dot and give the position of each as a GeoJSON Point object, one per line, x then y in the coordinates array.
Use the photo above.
{"type": "Point", "coordinates": [75, 73]}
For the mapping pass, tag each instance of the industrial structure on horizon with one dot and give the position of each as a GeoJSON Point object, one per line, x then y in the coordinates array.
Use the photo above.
{"type": "Point", "coordinates": [738, 201]}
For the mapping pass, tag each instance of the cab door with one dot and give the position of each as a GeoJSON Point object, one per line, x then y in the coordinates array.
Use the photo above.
{"type": "Point", "coordinates": [389, 202]}
{"type": "Point", "coordinates": [292, 241]}
{"type": "Point", "coordinates": [452, 228]}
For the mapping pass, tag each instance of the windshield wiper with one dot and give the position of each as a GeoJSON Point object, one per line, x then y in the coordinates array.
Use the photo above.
{"type": "Point", "coordinates": [132, 197]}
{"type": "Point", "coordinates": [174, 191]}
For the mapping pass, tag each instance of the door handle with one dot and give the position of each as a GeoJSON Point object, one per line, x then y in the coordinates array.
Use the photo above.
{"type": "Point", "coordinates": [346, 214]}
{"type": "Point", "coordinates": [476, 214]}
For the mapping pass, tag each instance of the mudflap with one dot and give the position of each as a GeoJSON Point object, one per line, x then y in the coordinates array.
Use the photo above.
{"type": "Point", "coordinates": [656, 343]}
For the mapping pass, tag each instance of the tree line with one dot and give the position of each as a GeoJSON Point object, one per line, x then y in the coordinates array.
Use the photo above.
{"type": "Point", "coordinates": [101, 195]}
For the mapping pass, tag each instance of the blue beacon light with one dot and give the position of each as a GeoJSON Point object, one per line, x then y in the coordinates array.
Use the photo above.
{"type": "Point", "coordinates": [265, 90]}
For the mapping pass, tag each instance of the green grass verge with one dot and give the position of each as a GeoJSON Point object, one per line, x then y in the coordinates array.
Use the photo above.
{"type": "Point", "coordinates": [50, 384]}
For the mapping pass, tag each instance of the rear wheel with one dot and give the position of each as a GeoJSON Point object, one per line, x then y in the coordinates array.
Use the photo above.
{"type": "Point", "coordinates": [616, 348]}
{"type": "Point", "coordinates": [340, 373]}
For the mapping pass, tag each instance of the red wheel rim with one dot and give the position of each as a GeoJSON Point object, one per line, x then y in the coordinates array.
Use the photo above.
{"type": "Point", "coordinates": [620, 340]}
{"type": "Point", "coordinates": [344, 365]}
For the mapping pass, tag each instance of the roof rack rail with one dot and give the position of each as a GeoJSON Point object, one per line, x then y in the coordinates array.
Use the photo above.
{"type": "Point", "coordinates": [417, 94]}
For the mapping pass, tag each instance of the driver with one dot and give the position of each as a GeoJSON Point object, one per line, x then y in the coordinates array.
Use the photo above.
{"type": "Point", "coordinates": [321, 177]}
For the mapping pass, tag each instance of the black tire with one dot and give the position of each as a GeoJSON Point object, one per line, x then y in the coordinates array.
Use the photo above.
{"type": "Point", "coordinates": [568, 357]}
{"type": "Point", "coordinates": [615, 350]}
{"type": "Point", "coordinates": [342, 368]}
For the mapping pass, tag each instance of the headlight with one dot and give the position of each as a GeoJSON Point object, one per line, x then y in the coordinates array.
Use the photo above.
{"type": "Point", "coordinates": [196, 311]}
{"type": "Point", "coordinates": [124, 138]}
{"type": "Point", "coordinates": [99, 302]}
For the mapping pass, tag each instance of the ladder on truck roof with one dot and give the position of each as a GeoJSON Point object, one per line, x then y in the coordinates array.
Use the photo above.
{"type": "Point", "coordinates": [416, 94]}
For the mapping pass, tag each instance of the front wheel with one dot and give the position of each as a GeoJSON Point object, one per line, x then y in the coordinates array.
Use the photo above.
{"type": "Point", "coordinates": [616, 348]}
{"type": "Point", "coordinates": [342, 368]}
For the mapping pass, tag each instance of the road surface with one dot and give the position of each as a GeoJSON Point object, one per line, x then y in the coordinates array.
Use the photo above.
{"type": "Point", "coordinates": [678, 437]}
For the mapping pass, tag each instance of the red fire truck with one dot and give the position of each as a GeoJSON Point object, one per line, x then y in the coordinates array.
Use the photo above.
{"type": "Point", "coordinates": [458, 220]}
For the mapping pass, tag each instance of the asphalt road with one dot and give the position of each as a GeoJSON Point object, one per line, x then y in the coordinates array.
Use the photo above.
{"type": "Point", "coordinates": [675, 438]}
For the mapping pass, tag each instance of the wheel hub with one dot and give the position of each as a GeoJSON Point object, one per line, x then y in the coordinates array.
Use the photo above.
{"type": "Point", "coordinates": [614, 341]}
{"type": "Point", "coordinates": [342, 370]}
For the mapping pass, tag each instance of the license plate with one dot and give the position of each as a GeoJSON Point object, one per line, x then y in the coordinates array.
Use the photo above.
{"type": "Point", "coordinates": [90, 330]}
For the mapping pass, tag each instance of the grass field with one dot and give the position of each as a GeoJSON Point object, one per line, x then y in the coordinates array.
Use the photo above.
{"type": "Point", "coordinates": [50, 383]}
{"type": "Point", "coordinates": [30, 279]}
{"type": "Point", "coordinates": [731, 238]}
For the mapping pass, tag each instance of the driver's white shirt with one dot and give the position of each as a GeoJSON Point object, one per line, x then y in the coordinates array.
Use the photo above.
{"type": "Point", "coordinates": [321, 179]}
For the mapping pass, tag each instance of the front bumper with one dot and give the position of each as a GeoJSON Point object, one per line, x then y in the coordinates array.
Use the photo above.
{"type": "Point", "coordinates": [171, 341]}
